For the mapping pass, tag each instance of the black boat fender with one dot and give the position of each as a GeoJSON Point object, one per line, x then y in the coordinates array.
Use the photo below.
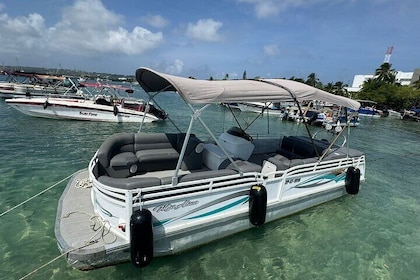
{"type": "Point", "coordinates": [46, 104]}
{"type": "Point", "coordinates": [115, 110]}
{"type": "Point", "coordinates": [352, 180]}
{"type": "Point", "coordinates": [257, 204]}
{"type": "Point", "coordinates": [141, 234]}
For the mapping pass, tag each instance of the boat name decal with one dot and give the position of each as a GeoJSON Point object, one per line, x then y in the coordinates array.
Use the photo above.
{"type": "Point", "coordinates": [87, 114]}
{"type": "Point", "coordinates": [293, 180]}
{"type": "Point", "coordinates": [169, 206]}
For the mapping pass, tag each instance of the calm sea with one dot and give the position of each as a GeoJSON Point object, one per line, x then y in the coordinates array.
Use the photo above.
{"type": "Point", "coordinates": [373, 235]}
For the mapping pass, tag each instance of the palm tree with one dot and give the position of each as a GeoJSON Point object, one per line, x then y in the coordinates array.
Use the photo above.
{"type": "Point", "coordinates": [371, 85]}
{"type": "Point", "coordinates": [339, 88]}
{"type": "Point", "coordinates": [385, 74]}
{"type": "Point", "coordinates": [300, 80]}
{"type": "Point", "coordinates": [312, 80]}
{"type": "Point", "coordinates": [329, 87]}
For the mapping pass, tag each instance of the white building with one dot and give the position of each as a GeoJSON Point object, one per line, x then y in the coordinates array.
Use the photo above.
{"type": "Point", "coordinates": [403, 78]}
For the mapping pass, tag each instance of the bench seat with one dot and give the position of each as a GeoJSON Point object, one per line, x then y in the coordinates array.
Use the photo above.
{"type": "Point", "coordinates": [157, 159]}
{"type": "Point", "coordinates": [129, 183]}
{"type": "Point", "coordinates": [124, 155]}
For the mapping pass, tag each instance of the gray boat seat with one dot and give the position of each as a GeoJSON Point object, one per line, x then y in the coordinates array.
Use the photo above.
{"type": "Point", "coordinates": [129, 183]}
{"type": "Point", "coordinates": [206, 175]}
{"type": "Point", "coordinates": [245, 166]}
{"type": "Point", "coordinates": [126, 154]}
{"type": "Point", "coordinates": [281, 162]}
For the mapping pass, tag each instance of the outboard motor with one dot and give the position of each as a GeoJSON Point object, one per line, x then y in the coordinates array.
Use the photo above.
{"type": "Point", "coordinates": [141, 234]}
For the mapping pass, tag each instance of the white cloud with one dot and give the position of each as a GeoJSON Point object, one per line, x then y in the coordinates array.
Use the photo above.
{"type": "Point", "coordinates": [81, 29]}
{"type": "Point", "coordinates": [268, 8]}
{"type": "Point", "coordinates": [90, 14]}
{"type": "Point", "coordinates": [205, 30]}
{"type": "Point", "coordinates": [156, 21]}
{"type": "Point", "coordinates": [175, 68]}
{"type": "Point", "coordinates": [271, 49]}
{"type": "Point", "coordinates": [84, 28]}
{"type": "Point", "coordinates": [21, 33]}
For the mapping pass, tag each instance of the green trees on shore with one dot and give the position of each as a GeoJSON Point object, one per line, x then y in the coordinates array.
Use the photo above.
{"type": "Point", "coordinates": [384, 90]}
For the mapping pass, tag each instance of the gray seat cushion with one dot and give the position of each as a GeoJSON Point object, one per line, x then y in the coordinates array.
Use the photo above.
{"type": "Point", "coordinates": [206, 175]}
{"type": "Point", "coordinates": [157, 155]}
{"type": "Point", "coordinates": [157, 159]}
{"type": "Point", "coordinates": [123, 159]}
{"type": "Point", "coordinates": [245, 166]}
{"type": "Point", "coordinates": [281, 162]}
{"type": "Point", "coordinates": [129, 183]}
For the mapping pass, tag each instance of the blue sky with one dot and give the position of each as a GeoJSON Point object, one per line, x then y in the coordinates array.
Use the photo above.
{"type": "Point", "coordinates": [335, 39]}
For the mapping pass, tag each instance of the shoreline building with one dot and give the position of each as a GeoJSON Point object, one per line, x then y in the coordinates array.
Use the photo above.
{"type": "Point", "coordinates": [403, 78]}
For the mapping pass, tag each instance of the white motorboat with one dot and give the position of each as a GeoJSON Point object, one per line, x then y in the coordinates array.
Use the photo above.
{"type": "Point", "coordinates": [394, 114]}
{"type": "Point", "coordinates": [352, 120]}
{"type": "Point", "coordinates": [24, 84]}
{"type": "Point", "coordinates": [103, 104]}
{"type": "Point", "coordinates": [368, 109]}
{"type": "Point", "coordinates": [271, 108]}
{"type": "Point", "coordinates": [157, 194]}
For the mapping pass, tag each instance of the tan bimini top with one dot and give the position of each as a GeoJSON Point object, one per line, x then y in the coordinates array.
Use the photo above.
{"type": "Point", "coordinates": [230, 91]}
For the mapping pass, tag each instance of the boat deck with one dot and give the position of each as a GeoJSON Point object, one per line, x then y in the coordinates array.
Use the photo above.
{"type": "Point", "coordinates": [79, 233]}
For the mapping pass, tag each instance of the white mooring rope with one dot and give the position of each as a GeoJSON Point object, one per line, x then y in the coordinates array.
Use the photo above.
{"type": "Point", "coordinates": [38, 194]}
{"type": "Point", "coordinates": [51, 261]}
{"type": "Point", "coordinates": [103, 229]}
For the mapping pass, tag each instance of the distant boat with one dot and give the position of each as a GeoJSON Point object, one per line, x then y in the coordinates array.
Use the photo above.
{"type": "Point", "coordinates": [369, 112]}
{"type": "Point", "coordinates": [352, 121]}
{"type": "Point", "coordinates": [393, 113]}
{"type": "Point", "coordinates": [412, 114]}
{"type": "Point", "coordinates": [106, 105]}
{"type": "Point", "coordinates": [261, 107]}
{"type": "Point", "coordinates": [24, 84]}
{"type": "Point", "coordinates": [316, 118]}
{"type": "Point", "coordinates": [368, 109]}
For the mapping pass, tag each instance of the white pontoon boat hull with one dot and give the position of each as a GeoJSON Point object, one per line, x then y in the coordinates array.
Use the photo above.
{"type": "Point", "coordinates": [157, 194]}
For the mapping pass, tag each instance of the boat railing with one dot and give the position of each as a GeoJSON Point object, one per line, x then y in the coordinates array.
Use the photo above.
{"type": "Point", "coordinates": [168, 192]}
{"type": "Point", "coordinates": [122, 202]}
{"type": "Point", "coordinates": [117, 204]}
{"type": "Point", "coordinates": [317, 167]}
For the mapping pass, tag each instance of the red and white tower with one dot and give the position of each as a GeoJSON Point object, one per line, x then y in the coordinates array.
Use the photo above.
{"type": "Point", "coordinates": [388, 54]}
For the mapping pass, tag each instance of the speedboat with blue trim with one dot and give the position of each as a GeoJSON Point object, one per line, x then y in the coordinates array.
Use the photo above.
{"type": "Point", "coordinates": [368, 109]}
{"type": "Point", "coordinates": [158, 194]}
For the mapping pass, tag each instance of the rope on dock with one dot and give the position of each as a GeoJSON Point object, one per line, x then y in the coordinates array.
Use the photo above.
{"type": "Point", "coordinates": [84, 183]}
{"type": "Point", "coordinates": [38, 194]}
{"type": "Point", "coordinates": [104, 227]}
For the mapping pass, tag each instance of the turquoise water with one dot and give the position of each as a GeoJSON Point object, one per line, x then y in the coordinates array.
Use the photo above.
{"type": "Point", "coordinates": [374, 235]}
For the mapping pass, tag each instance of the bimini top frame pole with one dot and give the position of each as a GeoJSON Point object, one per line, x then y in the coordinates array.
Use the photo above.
{"type": "Point", "coordinates": [300, 112]}
{"type": "Point", "coordinates": [151, 98]}
{"type": "Point", "coordinates": [196, 115]}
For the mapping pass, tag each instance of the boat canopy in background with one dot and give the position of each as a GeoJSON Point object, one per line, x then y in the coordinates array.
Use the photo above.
{"type": "Point", "coordinates": [231, 91]}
